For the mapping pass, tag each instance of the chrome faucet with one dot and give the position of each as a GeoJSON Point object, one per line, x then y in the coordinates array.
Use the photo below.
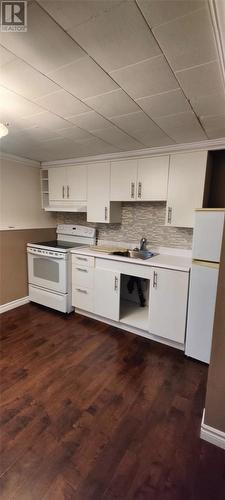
{"type": "Point", "coordinates": [143, 244]}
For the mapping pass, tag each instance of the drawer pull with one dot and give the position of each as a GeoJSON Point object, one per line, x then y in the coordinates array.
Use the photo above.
{"type": "Point", "coordinates": [82, 270]}
{"type": "Point", "coordinates": [81, 291]}
{"type": "Point", "coordinates": [155, 279]}
{"type": "Point", "coordinates": [82, 258]}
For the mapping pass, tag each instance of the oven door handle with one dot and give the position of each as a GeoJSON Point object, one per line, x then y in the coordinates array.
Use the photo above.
{"type": "Point", "coordinates": [33, 252]}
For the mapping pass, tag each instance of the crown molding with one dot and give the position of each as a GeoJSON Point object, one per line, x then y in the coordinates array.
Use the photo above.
{"type": "Point", "coordinates": [19, 159]}
{"type": "Point", "coordinates": [193, 146]}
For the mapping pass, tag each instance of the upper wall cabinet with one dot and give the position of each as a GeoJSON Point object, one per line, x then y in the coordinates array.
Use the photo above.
{"type": "Point", "coordinates": [140, 180]}
{"type": "Point", "coordinates": [123, 180]}
{"type": "Point", "coordinates": [99, 208]}
{"type": "Point", "coordinates": [186, 185]}
{"type": "Point", "coordinates": [152, 178]}
{"type": "Point", "coordinates": [67, 185]}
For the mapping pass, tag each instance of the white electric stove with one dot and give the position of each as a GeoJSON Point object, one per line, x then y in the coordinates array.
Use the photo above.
{"type": "Point", "coordinates": [49, 266]}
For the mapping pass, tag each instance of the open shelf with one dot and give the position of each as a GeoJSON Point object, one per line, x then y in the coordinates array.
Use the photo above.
{"type": "Point", "coordinates": [134, 315]}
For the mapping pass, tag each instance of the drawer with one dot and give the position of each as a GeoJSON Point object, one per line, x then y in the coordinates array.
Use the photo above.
{"type": "Point", "coordinates": [83, 299]}
{"type": "Point", "coordinates": [82, 260]}
{"type": "Point", "coordinates": [82, 277]}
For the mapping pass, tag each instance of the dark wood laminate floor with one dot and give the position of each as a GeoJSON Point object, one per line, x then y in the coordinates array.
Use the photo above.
{"type": "Point", "coordinates": [90, 413]}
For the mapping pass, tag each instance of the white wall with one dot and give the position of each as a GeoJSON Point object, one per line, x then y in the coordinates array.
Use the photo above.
{"type": "Point", "coordinates": [20, 196]}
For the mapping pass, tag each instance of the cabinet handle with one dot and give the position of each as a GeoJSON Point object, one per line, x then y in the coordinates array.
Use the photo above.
{"type": "Point", "coordinates": [106, 213]}
{"type": "Point", "coordinates": [82, 270]}
{"type": "Point", "coordinates": [139, 189]}
{"type": "Point", "coordinates": [63, 191]}
{"type": "Point", "coordinates": [155, 279]}
{"type": "Point", "coordinates": [169, 216]}
{"type": "Point", "coordinates": [116, 283]}
{"type": "Point", "coordinates": [82, 258]}
{"type": "Point", "coordinates": [68, 191]}
{"type": "Point", "coordinates": [81, 291]}
{"type": "Point", "coordinates": [132, 189]}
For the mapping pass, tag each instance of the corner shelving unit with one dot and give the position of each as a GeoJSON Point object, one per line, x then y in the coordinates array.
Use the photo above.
{"type": "Point", "coordinates": [44, 189]}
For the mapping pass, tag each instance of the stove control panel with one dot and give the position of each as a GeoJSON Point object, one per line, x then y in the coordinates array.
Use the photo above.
{"type": "Point", "coordinates": [75, 230]}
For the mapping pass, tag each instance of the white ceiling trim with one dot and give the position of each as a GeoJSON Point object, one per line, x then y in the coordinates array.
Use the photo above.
{"type": "Point", "coordinates": [19, 159]}
{"type": "Point", "coordinates": [193, 146]}
{"type": "Point", "coordinates": [217, 13]}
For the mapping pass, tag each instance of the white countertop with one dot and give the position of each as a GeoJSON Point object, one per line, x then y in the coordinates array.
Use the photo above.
{"type": "Point", "coordinates": [161, 260]}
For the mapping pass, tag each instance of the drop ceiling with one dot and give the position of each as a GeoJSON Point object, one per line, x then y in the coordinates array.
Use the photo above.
{"type": "Point", "coordinates": [95, 77]}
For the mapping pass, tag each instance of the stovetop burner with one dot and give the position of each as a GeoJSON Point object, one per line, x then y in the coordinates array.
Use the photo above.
{"type": "Point", "coordinates": [58, 244]}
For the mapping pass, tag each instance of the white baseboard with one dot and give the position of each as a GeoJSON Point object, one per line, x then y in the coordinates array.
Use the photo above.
{"type": "Point", "coordinates": [14, 304]}
{"type": "Point", "coordinates": [212, 435]}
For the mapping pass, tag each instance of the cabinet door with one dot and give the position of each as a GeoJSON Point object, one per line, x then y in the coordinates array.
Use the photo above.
{"type": "Point", "coordinates": [76, 189]}
{"type": "Point", "coordinates": [107, 293]}
{"type": "Point", "coordinates": [168, 304]}
{"type": "Point", "coordinates": [123, 180]}
{"type": "Point", "coordinates": [153, 178]}
{"type": "Point", "coordinates": [98, 192]}
{"type": "Point", "coordinates": [186, 187]}
{"type": "Point", "coordinates": [57, 183]}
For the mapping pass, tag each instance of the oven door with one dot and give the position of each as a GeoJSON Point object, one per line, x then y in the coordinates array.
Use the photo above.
{"type": "Point", "coordinates": [47, 272]}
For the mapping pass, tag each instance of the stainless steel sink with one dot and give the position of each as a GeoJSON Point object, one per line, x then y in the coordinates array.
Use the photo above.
{"type": "Point", "coordinates": [141, 254]}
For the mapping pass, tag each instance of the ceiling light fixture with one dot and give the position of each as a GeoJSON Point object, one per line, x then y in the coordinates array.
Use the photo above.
{"type": "Point", "coordinates": [3, 130]}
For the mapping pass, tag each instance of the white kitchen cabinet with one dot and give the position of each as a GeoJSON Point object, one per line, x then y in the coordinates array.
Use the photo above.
{"type": "Point", "coordinates": [123, 180]}
{"type": "Point", "coordinates": [57, 183]}
{"type": "Point", "coordinates": [67, 186]}
{"type": "Point", "coordinates": [139, 180]}
{"type": "Point", "coordinates": [152, 178]}
{"type": "Point", "coordinates": [107, 293]}
{"type": "Point", "coordinates": [76, 182]}
{"type": "Point", "coordinates": [186, 185]}
{"type": "Point", "coordinates": [99, 208]}
{"type": "Point", "coordinates": [168, 304]}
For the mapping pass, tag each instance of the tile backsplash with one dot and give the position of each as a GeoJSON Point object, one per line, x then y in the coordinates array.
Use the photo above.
{"type": "Point", "coordinates": [138, 220]}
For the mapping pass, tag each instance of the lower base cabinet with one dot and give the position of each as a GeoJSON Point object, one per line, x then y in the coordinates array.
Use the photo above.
{"type": "Point", "coordinates": [97, 290]}
{"type": "Point", "coordinates": [107, 294]}
{"type": "Point", "coordinates": [168, 304]}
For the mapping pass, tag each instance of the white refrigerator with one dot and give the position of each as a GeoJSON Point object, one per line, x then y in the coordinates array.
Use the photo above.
{"type": "Point", "coordinates": [207, 240]}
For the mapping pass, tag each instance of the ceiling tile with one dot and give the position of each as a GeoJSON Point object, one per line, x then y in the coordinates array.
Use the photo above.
{"type": "Point", "coordinates": [113, 103]}
{"type": "Point", "coordinates": [33, 134]}
{"type": "Point", "coordinates": [73, 13]}
{"type": "Point", "coordinates": [117, 38]}
{"type": "Point", "coordinates": [142, 128]}
{"type": "Point", "coordinates": [75, 133]}
{"type": "Point", "coordinates": [84, 79]}
{"type": "Point", "coordinates": [183, 127]}
{"type": "Point", "coordinates": [62, 103]}
{"type": "Point", "coordinates": [188, 41]}
{"type": "Point", "coordinates": [26, 81]}
{"type": "Point", "coordinates": [45, 119]}
{"type": "Point", "coordinates": [146, 78]}
{"type": "Point", "coordinates": [14, 106]}
{"type": "Point", "coordinates": [168, 103]}
{"type": "Point", "coordinates": [201, 80]}
{"type": "Point", "coordinates": [45, 45]}
{"type": "Point", "coordinates": [159, 12]}
{"type": "Point", "coordinates": [214, 126]}
{"type": "Point", "coordinates": [89, 121]}
{"type": "Point", "coordinates": [5, 56]}
{"type": "Point", "coordinates": [209, 105]}
{"type": "Point", "coordinates": [117, 137]}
